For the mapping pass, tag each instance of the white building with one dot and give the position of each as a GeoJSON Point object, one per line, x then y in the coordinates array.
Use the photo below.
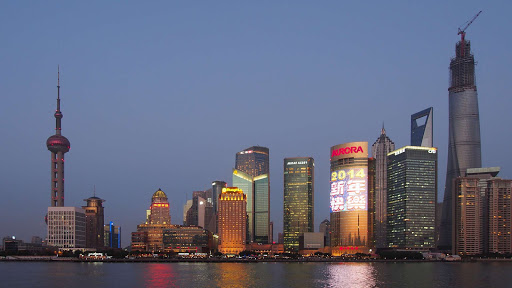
{"type": "Point", "coordinates": [66, 227]}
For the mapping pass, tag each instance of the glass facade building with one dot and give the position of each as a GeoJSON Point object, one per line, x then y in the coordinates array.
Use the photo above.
{"type": "Point", "coordinates": [464, 146]}
{"type": "Point", "coordinates": [349, 199]}
{"type": "Point", "coordinates": [251, 174]}
{"type": "Point", "coordinates": [422, 128]}
{"type": "Point", "coordinates": [412, 197]}
{"type": "Point", "coordinates": [299, 187]}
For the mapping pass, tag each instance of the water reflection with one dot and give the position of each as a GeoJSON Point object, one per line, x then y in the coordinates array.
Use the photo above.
{"type": "Point", "coordinates": [351, 275]}
{"type": "Point", "coordinates": [233, 274]}
{"type": "Point", "coordinates": [159, 275]}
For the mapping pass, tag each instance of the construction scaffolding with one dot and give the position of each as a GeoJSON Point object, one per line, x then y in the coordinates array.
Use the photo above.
{"type": "Point", "coordinates": [462, 68]}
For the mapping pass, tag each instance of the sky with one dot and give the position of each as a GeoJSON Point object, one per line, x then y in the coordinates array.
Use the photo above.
{"type": "Point", "coordinates": [162, 94]}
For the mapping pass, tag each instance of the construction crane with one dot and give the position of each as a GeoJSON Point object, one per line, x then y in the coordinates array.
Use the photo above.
{"type": "Point", "coordinates": [462, 33]}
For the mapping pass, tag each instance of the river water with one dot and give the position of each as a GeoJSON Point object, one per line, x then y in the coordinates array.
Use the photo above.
{"type": "Point", "coordinates": [260, 275]}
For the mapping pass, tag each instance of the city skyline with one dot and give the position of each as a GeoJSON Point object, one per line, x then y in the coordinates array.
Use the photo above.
{"type": "Point", "coordinates": [138, 120]}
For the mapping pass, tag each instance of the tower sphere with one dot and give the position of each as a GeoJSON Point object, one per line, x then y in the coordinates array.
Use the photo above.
{"type": "Point", "coordinates": [58, 143]}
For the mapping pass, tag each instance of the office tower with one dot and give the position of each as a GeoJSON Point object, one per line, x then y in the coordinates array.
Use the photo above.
{"type": "Point", "coordinates": [254, 163]}
{"type": "Point", "coordinates": [412, 195]}
{"type": "Point", "coordinates": [380, 149]}
{"type": "Point", "coordinates": [349, 198]}
{"type": "Point", "coordinates": [499, 218]}
{"type": "Point", "coordinates": [66, 227]}
{"type": "Point", "coordinates": [325, 227]}
{"type": "Point", "coordinates": [112, 235]}
{"type": "Point", "coordinates": [160, 213]}
{"type": "Point", "coordinates": [271, 232]}
{"type": "Point", "coordinates": [232, 220]}
{"type": "Point", "coordinates": [464, 129]}
{"type": "Point", "coordinates": [58, 145]}
{"type": "Point", "coordinates": [94, 220]}
{"type": "Point", "coordinates": [201, 212]}
{"type": "Point", "coordinates": [216, 190]}
{"type": "Point", "coordinates": [149, 235]}
{"type": "Point", "coordinates": [422, 128]}
{"type": "Point", "coordinates": [299, 188]}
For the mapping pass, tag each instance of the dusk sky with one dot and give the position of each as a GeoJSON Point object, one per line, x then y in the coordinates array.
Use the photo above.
{"type": "Point", "coordinates": [162, 94]}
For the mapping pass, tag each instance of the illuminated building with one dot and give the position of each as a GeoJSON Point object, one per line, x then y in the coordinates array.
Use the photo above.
{"type": "Point", "coordinates": [58, 145]}
{"type": "Point", "coordinates": [66, 227]}
{"type": "Point", "coordinates": [152, 231]}
{"type": "Point", "coordinates": [253, 161]}
{"type": "Point", "coordinates": [112, 235]}
{"type": "Point", "coordinates": [232, 220]}
{"type": "Point", "coordinates": [251, 174]}
{"type": "Point", "coordinates": [464, 147]}
{"type": "Point", "coordinates": [349, 198]}
{"type": "Point", "coordinates": [192, 239]}
{"type": "Point", "coordinates": [299, 185]}
{"type": "Point", "coordinates": [499, 217]}
{"type": "Point", "coordinates": [160, 213]}
{"type": "Point", "coordinates": [94, 220]}
{"type": "Point", "coordinates": [469, 236]}
{"type": "Point", "coordinates": [412, 195]}
{"type": "Point", "coordinates": [481, 213]}
{"type": "Point", "coordinates": [422, 128]}
{"type": "Point", "coordinates": [380, 149]}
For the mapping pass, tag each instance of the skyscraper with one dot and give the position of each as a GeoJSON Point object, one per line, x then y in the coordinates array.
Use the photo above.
{"type": "Point", "coordinates": [251, 174]}
{"type": "Point", "coordinates": [412, 195]}
{"type": "Point", "coordinates": [299, 187]}
{"type": "Point", "coordinates": [94, 221]}
{"type": "Point", "coordinates": [349, 198]}
{"type": "Point", "coordinates": [232, 220]}
{"type": "Point", "coordinates": [380, 149]}
{"type": "Point", "coordinates": [58, 145]}
{"type": "Point", "coordinates": [464, 148]}
{"type": "Point", "coordinates": [422, 131]}
{"type": "Point", "coordinates": [216, 190]}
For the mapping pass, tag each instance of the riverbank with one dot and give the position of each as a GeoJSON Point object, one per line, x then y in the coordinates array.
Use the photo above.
{"type": "Point", "coordinates": [234, 260]}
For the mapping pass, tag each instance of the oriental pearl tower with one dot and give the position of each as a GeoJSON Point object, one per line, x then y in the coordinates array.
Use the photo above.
{"type": "Point", "coordinates": [58, 145]}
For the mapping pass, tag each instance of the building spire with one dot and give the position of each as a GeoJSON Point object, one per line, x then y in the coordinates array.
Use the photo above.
{"type": "Point", "coordinates": [383, 131]}
{"type": "Point", "coordinates": [58, 114]}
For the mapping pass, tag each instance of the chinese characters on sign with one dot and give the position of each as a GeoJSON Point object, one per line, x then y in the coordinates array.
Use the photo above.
{"type": "Point", "coordinates": [349, 189]}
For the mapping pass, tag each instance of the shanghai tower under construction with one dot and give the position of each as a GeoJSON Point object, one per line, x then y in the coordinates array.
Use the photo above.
{"type": "Point", "coordinates": [464, 149]}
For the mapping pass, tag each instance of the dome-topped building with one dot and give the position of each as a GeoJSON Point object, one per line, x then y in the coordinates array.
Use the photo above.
{"type": "Point", "coordinates": [160, 212]}
{"type": "Point", "coordinates": [58, 145]}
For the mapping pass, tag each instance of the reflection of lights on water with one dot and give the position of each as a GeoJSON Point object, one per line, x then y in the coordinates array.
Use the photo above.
{"type": "Point", "coordinates": [351, 275]}
{"type": "Point", "coordinates": [233, 275]}
{"type": "Point", "coordinates": [159, 275]}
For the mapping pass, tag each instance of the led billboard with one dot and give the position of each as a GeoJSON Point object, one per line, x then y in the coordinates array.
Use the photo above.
{"type": "Point", "coordinates": [349, 189]}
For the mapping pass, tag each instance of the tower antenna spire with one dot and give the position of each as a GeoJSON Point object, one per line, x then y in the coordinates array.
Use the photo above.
{"type": "Point", "coordinates": [58, 87]}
